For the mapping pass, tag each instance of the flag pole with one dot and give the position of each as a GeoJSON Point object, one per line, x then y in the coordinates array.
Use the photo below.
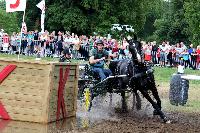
{"type": "Point", "coordinates": [21, 34]}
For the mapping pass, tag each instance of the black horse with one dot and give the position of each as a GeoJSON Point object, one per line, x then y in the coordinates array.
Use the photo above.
{"type": "Point", "coordinates": [139, 77]}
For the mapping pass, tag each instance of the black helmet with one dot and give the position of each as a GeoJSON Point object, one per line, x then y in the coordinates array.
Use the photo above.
{"type": "Point", "coordinates": [99, 42]}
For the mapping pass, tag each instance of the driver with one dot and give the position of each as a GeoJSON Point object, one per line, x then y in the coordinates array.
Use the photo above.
{"type": "Point", "coordinates": [97, 60]}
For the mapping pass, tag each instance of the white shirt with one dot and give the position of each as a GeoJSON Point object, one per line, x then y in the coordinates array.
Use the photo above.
{"type": "Point", "coordinates": [180, 69]}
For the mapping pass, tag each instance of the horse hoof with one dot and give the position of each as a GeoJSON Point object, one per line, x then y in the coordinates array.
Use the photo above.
{"type": "Point", "coordinates": [168, 122]}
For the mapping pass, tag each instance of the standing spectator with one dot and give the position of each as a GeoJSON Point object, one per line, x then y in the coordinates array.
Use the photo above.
{"type": "Point", "coordinates": [179, 50]}
{"type": "Point", "coordinates": [192, 57]}
{"type": "Point", "coordinates": [52, 43]}
{"type": "Point", "coordinates": [76, 47]}
{"type": "Point", "coordinates": [36, 40]}
{"type": "Point", "coordinates": [198, 56]}
{"type": "Point", "coordinates": [173, 50]}
{"type": "Point", "coordinates": [13, 43]}
{"type": "Point", "coordinates": [6, 41]}
{"type": "Point", "coordinates": [158, 55]}
{"type": "Point", "coordinates": [163, 50]}
{"type": "Point", "coordinates": [24, 42]}
{"type": "Point", "coordinates": [186, 60]}
{"type": "Point", "coordinates": [154, 52]}
{"type": "Point", "coordinates": [147, 52]}
{"type": "Point", "coordinates": [167, 56]}
{"type": "Point", "coordinates": [170, 55]}
{"type": "Point", "coordinates": [59, 43]}
{"type": "Point", "coordinates": [30, 43]}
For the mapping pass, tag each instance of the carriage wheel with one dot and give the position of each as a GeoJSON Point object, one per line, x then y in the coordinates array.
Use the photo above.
{"type": "Point", "coordinates": [80, 92]}
{"type": "Point", "coordinates": [87, 98]}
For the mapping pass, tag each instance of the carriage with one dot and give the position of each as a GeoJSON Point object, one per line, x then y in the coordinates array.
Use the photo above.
{"type": "Point", "coordinates": [90, 85]}
{"type": "Point", "coordinates": [128, 76]}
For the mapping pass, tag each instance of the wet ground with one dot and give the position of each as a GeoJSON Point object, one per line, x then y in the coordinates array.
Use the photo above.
{"type": "Point", "coordinates": [108, 118]}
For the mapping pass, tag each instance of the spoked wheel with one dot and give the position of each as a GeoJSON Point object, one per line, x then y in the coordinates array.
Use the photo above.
{"type": "Point", "coordinates": [87, 98]}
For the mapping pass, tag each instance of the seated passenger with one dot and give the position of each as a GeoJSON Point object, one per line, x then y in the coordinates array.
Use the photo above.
{"type": "Point", "coordinates": [97, 60]}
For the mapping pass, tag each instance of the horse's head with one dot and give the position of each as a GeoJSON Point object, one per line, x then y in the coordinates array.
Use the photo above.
{"type": "Point", "coordinates": [135, 47]}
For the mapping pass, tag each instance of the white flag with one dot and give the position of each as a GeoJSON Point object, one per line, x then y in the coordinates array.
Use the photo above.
{"type": "Point", "coordinates": [15, 5]}
{"type": "Point", "coordinates": [41, 5]}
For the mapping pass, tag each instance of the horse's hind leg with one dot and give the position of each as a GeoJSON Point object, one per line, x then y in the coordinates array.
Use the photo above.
{"type": "Point", "coordinates": [124, 105]}
{"type": "Point", "coordinates": [155, 106]}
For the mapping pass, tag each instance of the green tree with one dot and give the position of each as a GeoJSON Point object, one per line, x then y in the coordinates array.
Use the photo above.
{"type": "Point", "coordinates": [154, 10]}
{"type": "Point", "coordinates": [8, 21]}
{"type": "Point", "coordinates": [192, 15]}
{"type": "Point", "coordinates": [172, 25]}
{"type": "Point", "coordinates": [87, 16]}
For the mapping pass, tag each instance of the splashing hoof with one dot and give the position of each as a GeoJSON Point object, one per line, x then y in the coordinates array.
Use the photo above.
{"type": "Point", "coordinates": [167, 121]}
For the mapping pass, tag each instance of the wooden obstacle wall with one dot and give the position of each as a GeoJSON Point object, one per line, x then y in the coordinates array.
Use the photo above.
{"type": "Point", "coordinates": [30, 92]}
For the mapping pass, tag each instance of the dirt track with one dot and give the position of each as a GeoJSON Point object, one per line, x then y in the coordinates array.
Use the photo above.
{"type": "Point", "coordinates": [143, 121]}
{"type": "Point", "coordinates": [182, 123]}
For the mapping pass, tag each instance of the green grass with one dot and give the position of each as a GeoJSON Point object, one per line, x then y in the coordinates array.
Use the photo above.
{"type": "Point", "coordinates": [32, 58]}
{"type": "Point", "coordinates": [163, 76]}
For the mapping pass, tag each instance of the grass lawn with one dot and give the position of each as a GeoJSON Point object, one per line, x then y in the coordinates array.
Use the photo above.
{"type": "Point", "coordinates": [163, 76]}
{"type": "Point", "coordinates": [32, 58]}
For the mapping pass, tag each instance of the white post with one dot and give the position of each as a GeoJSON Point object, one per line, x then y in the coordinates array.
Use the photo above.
{"type": "Point", "coordinates": [21, 35]}
{"type": "Point", "coordinates": [42, 20]}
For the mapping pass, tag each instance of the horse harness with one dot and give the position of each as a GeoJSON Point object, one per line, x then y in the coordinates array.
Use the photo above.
{"type": "Point", "coordinates": [135, 71]}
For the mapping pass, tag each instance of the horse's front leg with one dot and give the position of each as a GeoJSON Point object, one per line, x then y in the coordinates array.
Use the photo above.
{"type": "Point", "coordinates": [155, 106]}
{"type": "Point", "coordinates": [154, 93]}
{"type": "Point", "coordinates": [123, 95]}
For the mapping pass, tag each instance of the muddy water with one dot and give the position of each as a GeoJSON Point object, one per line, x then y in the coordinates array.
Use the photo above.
{"type": "Point", "coordinates": [103, 109]}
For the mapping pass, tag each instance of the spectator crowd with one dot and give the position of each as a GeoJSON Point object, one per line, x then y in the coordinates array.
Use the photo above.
{"type": "Point", "coordinates": [34, 43]}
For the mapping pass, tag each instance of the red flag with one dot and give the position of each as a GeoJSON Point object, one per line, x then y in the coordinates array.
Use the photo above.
{"type": "Point", "coordinates": [15, 5]}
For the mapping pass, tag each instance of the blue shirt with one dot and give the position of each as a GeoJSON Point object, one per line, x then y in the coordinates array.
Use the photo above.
{"type": "Point", "coordinates": [185, 56]}
{"type": "Point", "coordinates": [191, 50]}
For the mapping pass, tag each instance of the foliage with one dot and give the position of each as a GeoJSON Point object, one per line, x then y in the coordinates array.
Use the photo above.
{"type": "Point", "coordinates": [153, 10]}
{"type": "Point", "coordinates": [192, 15]}
{"type": "Point", "coordinates": [8, 22]}
{"type": "Point", "coordinates": [172, 26]}
{"type": "Point", "coordinates": [87, 16]}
